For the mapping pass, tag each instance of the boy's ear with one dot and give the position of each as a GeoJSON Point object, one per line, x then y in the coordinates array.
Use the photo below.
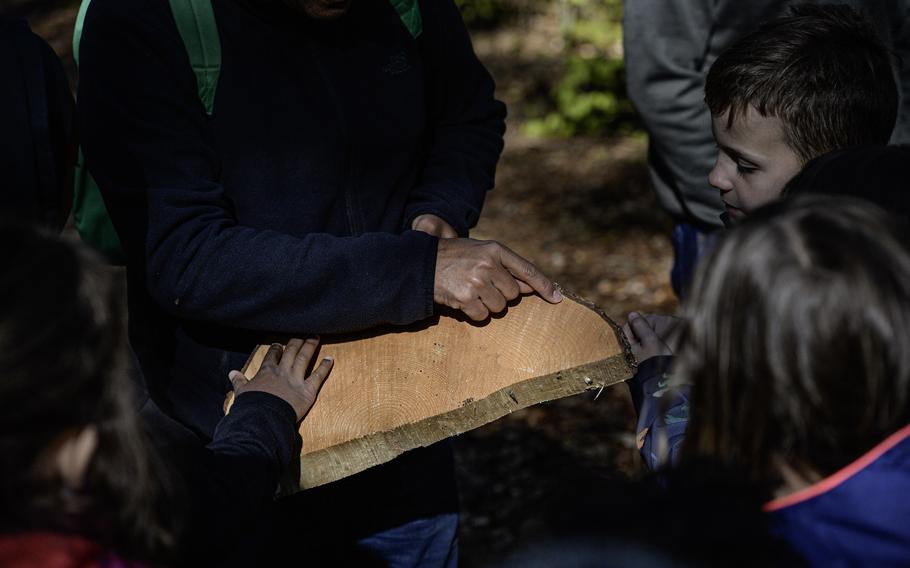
{"type": "Point", "coordinates": [74, 454]}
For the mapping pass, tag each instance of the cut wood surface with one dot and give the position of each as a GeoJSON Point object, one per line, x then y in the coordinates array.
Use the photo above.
{"type": "Point", "coordinates": [394, 389]}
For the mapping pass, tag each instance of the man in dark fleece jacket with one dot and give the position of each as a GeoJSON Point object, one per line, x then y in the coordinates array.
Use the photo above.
{"type": "Point", "coordinates": [312, 200]}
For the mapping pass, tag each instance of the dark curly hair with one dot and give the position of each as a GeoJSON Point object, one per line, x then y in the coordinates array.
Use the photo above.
{"type": "Point", "coordinates": [63, 355]}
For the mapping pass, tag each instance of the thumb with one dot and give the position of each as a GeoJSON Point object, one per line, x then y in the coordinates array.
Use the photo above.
{"type": "Point", "coordinates": [238, 381]}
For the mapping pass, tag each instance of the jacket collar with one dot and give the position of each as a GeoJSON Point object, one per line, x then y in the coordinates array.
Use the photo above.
{"type": "Point", "coordinates": [840, 477]}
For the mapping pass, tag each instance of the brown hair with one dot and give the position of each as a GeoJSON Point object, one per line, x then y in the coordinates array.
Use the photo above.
{"type": "Point", "coordinates": [63, 358]}
{"type": "Point", "coordinates": [797, 339]}
{"type": "Point", "coordinates": [821, 70]}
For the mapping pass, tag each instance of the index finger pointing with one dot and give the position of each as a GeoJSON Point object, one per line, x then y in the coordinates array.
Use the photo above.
{"type": "Point", "coordinates": [526, 272]}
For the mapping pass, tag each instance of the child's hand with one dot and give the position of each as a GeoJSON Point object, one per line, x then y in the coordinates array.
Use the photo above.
{"type": "Point", "coordinates": [283, 374]}
{"type": "Point", "coordinates": [667, 328]}
{"type": "Point", "coordinates": [645, 341]}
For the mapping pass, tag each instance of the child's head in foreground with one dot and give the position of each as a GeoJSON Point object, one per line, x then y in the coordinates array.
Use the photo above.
{"type": "Point", "coordinates": [798, 340]}
{"type": "Point", "coordinates": [816, 80]}
{"type": "Point", "coordinates": [74, 460]}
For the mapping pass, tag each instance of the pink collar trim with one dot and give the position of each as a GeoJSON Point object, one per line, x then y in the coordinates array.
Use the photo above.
{"type": "Point", "coordinates": [840, 476]}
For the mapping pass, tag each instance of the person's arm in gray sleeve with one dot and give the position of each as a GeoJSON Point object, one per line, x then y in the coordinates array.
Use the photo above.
{"type": "Point", "coordinates": [901, 46]}
{"type": "Point", "coordinates": [666, 46]}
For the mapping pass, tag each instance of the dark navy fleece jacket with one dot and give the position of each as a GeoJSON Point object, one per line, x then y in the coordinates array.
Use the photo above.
{"type": "Point", "coordinates": [286, 210]}
{"type": "Point", "coordinates": [37, 138]}
{"type": "Point", "coordinates": [225, 487]}
{"type": "Point", "coordinates": [855, 517]}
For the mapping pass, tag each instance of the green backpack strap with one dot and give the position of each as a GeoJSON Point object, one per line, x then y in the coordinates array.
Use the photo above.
{"type": "Point", "coordinates": [89, 212]}
{"type": "Point", "coordinates": [409, 12]}
{"type": "Point", "coordinates": [77, 33]}
{"type": "Point", "coordinates": [198, 29]}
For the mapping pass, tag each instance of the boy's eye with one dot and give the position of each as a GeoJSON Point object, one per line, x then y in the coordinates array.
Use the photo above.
{"type": "Point", "coordinates": [745, 169]}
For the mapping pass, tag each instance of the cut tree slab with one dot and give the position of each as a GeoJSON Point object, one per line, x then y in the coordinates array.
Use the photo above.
{"type": "Point", "coordinates": [399, 388]}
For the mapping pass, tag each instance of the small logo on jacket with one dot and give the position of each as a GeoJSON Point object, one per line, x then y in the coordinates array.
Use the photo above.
{"type": "Point", "coordinates": [397, 64]}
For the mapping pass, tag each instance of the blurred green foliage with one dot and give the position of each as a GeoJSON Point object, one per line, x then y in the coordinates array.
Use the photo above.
{"type": "Point", "coordinates": [483, 13]}
{"type": "Point", "coordinates": [590, 97]}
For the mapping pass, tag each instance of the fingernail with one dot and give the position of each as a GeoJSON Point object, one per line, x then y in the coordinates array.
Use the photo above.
{"type": "Point", "coordinates": [557, 295]}
{"type": "Point", "coordinates": [329, 359]}
{"type": "Point", "coordinates": [633, 315]}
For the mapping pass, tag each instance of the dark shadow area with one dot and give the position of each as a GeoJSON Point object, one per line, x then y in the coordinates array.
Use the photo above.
{"type": "Point", "coordinates": [32, 8]}
{"type": "Point", "coordinates": [510, 470]}
{"type": "Point", "coordinates": [699, 517]}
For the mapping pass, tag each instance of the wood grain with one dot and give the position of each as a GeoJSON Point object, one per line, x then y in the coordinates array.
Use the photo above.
{"type": "Point", "coordinates": [398, 388]}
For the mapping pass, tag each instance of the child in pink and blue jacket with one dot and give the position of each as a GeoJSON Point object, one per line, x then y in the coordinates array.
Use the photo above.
{"type": "Point", "coordinates": [794, 358]}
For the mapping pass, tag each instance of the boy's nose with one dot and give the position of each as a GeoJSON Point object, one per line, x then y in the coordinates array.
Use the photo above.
{"type": "Point", "coordinates": [718, 178]}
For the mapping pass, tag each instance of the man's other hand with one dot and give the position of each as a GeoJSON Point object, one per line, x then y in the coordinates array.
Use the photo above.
{"type": "Point", "coordinates": [481, 277]}
{"type": "Point", "coordinates": [284, 374]}
{"type": "Point", "coordinates": [433, 225]}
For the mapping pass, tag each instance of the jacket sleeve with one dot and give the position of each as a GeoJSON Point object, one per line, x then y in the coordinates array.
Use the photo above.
{"type": "Point", "coordinates": [146, 140]}
{"type": "Point", "coordinates": [228, 485]}
{"type": "Point", "coordinates": [254, 444]}
{"type": "Point", "coordinates": [663, 412]}
{"type": "Point", "coordinates": [665, 45]}
{"type": "Point", "coordinates": [37, 139]}
{"type": "Point", "coordinates": [901, 46]}
{"type": "Point", "coordinates": [466, 123]}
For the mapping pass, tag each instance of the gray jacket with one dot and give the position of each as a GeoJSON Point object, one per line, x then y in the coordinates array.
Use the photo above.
{"type": "Point", "coordinates": [669, 47]}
